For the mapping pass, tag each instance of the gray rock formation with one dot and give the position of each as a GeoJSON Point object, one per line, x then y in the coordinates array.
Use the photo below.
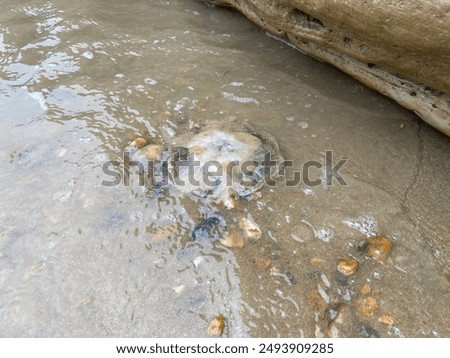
{"type": "Point", "coordinates": [400, 48]}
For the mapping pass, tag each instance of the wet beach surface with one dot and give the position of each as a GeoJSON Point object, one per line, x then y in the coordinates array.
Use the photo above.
{"type": "Point", "coordinates": [79, 81]}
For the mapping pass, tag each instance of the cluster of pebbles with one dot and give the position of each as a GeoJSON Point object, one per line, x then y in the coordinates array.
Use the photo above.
{"type": "Point", "coordinates": [342, 295]}
{"type": "Point", "coordinates": [222, 149]}
{"type": "Point", "coordinates": [336, 310]}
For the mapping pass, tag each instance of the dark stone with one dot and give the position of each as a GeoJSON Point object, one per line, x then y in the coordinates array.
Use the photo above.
{"type": "Point", "coordinates": [209, 229]}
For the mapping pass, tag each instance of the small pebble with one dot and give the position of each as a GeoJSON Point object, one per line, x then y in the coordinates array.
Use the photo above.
{"type": "Point", "coordinates": [178, 289]}
{"type": "Point", "coordinates": [233, 240]}
{"type": "Point", "coordinates": [197, 261]}
{"type": "Point", "coordinates": [86, 300]}
{"type": "Point", "coordinates": [140, 142]}
{"type": "Point", "coordinates": [367, 306]}
{"type": "Point", "coordinates": [216, 327]}
{"type": "Point", "coordinates": [380, 247]}
{"type": "Point", "coordinates": [251, 229]}
{"type": "Point", "coordinates": [347, 266]}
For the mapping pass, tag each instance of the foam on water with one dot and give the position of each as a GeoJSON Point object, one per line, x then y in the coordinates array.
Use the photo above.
{"type": "Point", "coordinates": [365, 225]}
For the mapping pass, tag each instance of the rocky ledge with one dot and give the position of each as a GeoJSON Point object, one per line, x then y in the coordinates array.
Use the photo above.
{"type": "Point", "coordinates": [400, 48]}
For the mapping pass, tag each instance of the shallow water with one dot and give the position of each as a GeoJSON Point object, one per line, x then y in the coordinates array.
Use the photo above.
{"type": "Point", "coordinates": [80, 80]}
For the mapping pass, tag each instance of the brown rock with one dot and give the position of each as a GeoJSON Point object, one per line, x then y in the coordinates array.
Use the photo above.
{"type": "Point", "coordinates": [367, 306]}
{"type": "Point", "coordinates": [140, 142]}
{"type": "Point", "coordinates": [380, 247]}
{"type": "Point", "coordinates": [216, 326]}
{"type": "Point", "coordinates": [399, 48]}
{"type": "Point", "coordinates": [347, 266]}
{"type": "Point", "coordinates": [233, 240]}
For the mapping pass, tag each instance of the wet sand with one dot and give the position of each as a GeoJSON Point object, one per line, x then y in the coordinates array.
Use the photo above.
{"type": "Point", "coordinates": [80, 81]}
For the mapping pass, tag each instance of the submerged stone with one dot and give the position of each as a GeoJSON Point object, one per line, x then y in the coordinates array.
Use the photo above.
{"type": "Point", "coordinates": [209, 229]}
{"type": "Point", "coordinates": [379, 248]}
{"type": "Point", "coordinates": [140, 142]}
{"type": "Point", "coordinates": [250, 228]}
{"type": "Point", "coordinates": [217, 163]}
{"type": "Point", "coordinates": [347, 266]}
{"type": "Point", "coordinates": [216, 326]}
{"type": "Point", "coordinates": [233, 241]}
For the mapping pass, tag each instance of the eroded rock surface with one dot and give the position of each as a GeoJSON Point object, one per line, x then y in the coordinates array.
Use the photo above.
{"type": "Point", "coordinates": [399, 48]}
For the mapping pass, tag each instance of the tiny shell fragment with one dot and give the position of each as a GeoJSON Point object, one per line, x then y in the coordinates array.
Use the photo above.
{"type": "Point", "coordinates": [30, 272]}
{"type": "Point", "coordinates": [178, 289]}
